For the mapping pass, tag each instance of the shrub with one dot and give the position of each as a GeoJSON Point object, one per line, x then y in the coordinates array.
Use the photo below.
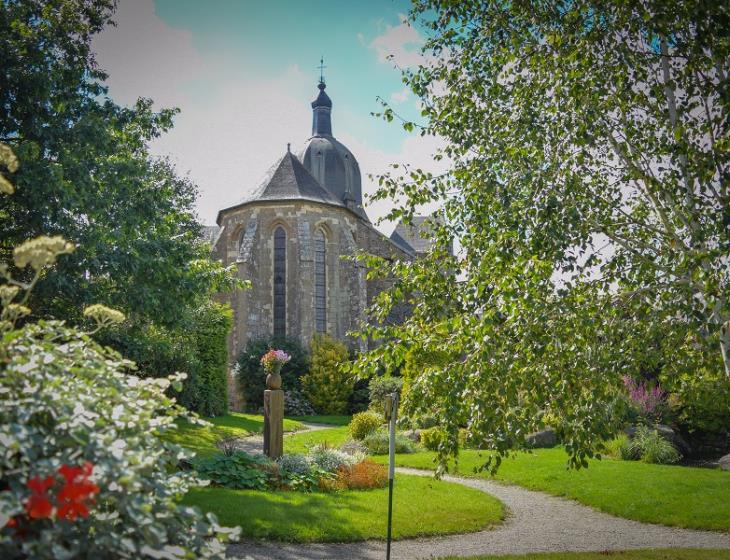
{"type": "Point", "coordinates": [296, 404]}
{"type": "Point", "coordinates": [251, 376]}
{"type": "Point", "coordinates": [207, 392]}
{"type": "Point", "coordinates": [701, 400]}
{"type": "Point", "coordinates": [650, 447]}
{"type": "Point", "coordinates": [327, 385]}
{"type": "Point", "coordinates": [296, 463]}
{"type": "Point", "coordinates": [381, 386]}
{"type": "Point", "coordinates": [329, 460]}
{"type": "Point", "coordinates": [238, 470]}
{"type": "Point", "coordinates": [378, 443]}
{"type": "Point", "coordinates": [67, 400]}
{"type": "Point", "coordinates": [617, 447]}
{"type": "Point", "coordinates": [360, 397]}
{"type": "Point", "coordinates": [363, 424]}
{"type": "Point", "coordinates": [431, 438]}
{"type": "Point", "coordinates": [647, 401]}
{"type": "Point", "coordinates": [363, 476]}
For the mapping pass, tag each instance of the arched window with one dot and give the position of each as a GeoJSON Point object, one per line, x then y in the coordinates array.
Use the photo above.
{"type": "Point", "coordinates": [279, 282]}
{"type": "Point", "coordinates": [320, 281]}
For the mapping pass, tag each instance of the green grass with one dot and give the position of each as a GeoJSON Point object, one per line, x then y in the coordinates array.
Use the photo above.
{"type": "Point", "coordinates": [299, 443]}
{"type": "Point", "coordinates": [324, 419]}
{"type": "Point", "coordinates": [653, 554]}
{"type": "Point", "coordinates": [201, 439]}
{"type": "Point", "coordinates": [422, 506]}
{"type": "Point", "coordinates": [669, 495]}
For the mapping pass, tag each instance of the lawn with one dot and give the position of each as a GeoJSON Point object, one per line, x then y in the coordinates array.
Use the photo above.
{"type": "Point", "coordinates": [669, 495]}
{"type": "Point", "coordinates": [201, 439]}
{"type": "Point", "coordinates": [422, 506]}
{"type": "Point", "coordinates": [323, 419]}
{"type": "Point", "coordinates": [665, 554]}
{"type": "Point", "coordinates": [300, 443]}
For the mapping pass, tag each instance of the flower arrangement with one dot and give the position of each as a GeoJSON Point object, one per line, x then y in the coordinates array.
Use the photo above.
{"type": "Point", "coordinates": [274, 360]}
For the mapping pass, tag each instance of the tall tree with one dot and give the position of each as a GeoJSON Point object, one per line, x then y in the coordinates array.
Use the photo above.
{"type": "Point", "coordinates": [86, 173]}
{"type": "Point", "coordinates": [590, 194]}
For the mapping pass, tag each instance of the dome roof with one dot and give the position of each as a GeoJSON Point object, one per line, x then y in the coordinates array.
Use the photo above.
{"type": "Point", "coordinates": [336, 169]}
{"type": "Point", "coordinates": [329, 161]}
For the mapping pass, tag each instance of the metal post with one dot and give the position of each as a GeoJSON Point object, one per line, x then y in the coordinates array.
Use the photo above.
{"type": "Point", "coordinates": [391, 410]}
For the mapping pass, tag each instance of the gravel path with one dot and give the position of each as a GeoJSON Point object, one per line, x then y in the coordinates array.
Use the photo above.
{"type": "Point", "coordinates": [536, 522]}
{"type": "Point", "coordinates": [255, 444]}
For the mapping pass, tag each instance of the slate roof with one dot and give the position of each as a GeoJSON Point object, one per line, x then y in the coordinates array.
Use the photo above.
{"type": "Point", "coordinates": [288, 179]}
{"type": "Point", "coordinates": [411, 235]}
{"type": "Point", "coordinates": [210, 234]}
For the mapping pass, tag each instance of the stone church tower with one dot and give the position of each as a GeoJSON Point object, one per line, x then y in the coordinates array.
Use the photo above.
{"type": "Point", "coordinates": [288, 238]}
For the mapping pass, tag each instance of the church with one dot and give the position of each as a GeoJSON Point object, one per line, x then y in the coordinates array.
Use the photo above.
{"type": "Point", "coordinates": [289, 237]}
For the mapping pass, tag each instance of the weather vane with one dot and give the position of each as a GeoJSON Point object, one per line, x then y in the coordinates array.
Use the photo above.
{"type": "Point", "coordinates": [321, 70]}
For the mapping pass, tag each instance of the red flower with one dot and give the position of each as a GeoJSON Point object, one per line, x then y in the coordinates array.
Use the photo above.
{"type": "Point", "coordinates": [39, 505]}
{"type": "Point", "coordinates": [77, 492]}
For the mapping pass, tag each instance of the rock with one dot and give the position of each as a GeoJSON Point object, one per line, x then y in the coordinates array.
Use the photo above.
{"type": "Point", "coordinates": [414, 435]}
{"type": "Point", "coordinates": [725, 462]}
{"type": "Point", "coordinates": [543, 438]}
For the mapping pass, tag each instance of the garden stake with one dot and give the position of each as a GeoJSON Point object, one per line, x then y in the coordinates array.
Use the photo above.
{"type": "Point", "coordinates": [391, 408]}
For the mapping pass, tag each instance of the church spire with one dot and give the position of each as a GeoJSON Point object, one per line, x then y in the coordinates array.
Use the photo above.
{"type": "Point", "coordinates": [321, 107]}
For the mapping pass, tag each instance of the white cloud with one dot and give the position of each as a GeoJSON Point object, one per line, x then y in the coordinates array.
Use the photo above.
{"type": "Point", "coordinates": [400, 44]}
{"type": "Point", "coordinates": [145, 57]}
{"type": "Point", "coordinates": [227, 139]}
{"type": "Point", "coordinates": [400, 96]}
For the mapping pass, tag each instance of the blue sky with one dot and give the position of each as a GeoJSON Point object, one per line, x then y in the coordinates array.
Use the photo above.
{"type": "Point", "coordinates": [243, 74]}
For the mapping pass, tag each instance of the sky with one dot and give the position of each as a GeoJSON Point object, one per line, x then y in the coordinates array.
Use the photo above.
{"type": "Point", "coordinates": [243, 74]}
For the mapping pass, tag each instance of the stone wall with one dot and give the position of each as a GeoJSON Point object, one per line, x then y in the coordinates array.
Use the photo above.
{"type": "Point", "coordinates": [246, 240]}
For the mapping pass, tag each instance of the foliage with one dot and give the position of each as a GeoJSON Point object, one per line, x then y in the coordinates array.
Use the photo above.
{"type": "Point", "coordinates": [296, 404]}
{"type": "Point", "coordinates": [629, 489]}
{"type": "Point", "coordinates": [377, 443]}
{"type": "Point", "coordinates": [239, 470]}
{"type": "Point", "coordinates": [67, 401]}
{"type": "Point", "coordinates": [618, 447]}
{"type": "Point", "coordinates": [328, 386]}
{"type": "Point", "coordinates": [330, 460]}
{"type": "Point", "coordinates": [296, 463]}
{"type": "Point", "coordinates": [648, 446]}
{"type": "Point", "coordinates": [364, 475]}
{"type": "Point", "coordinates": [648, 401]}
{"type": "Point", "coordinates": [87, 174]}
{"type": "Point", "coordinates": [363, 424]}
{"type": "Point", "coordinates": [360, 398]}
{"type": "Point", "coordinates": [587, 189]}
{"type": "Point", "coordinates": [207, 391]}
{"type": "Point", "coordinates": [251, 376]}
{"type": "Point", "coordinates": [421, 506]}
{"type": "Point", "coordinates": [701, 400]}
{"type": "Point", "coordinates": [431, 438]}
{"type": "Point", "coordinates": [381, 386]}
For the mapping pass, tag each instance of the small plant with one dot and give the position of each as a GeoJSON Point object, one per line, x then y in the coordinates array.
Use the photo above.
{"type": "Point", "coordinates": [363, 475]}
{"type": "Point", "coordinates": [329, 460]}
{"type": "Point", "coordinates": [239, 471]}
{"type": "Point", "coordinates": [295, 463]}
{"type": "Point", "coordinates": [296, 404]}
{"type": "Point", "coordinates": [650, 447]}
{"type": "Point", "coordinates": [432, 438]}
{"type": "Point", "coordinates": [363, 424]}
{"type": "Point", "coordinates": [649, 401]}
{"type": "Point", "coordinates": [378, 443]}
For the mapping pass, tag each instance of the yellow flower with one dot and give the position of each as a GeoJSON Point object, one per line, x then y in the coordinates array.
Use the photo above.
{"type": "Point", "coordinates": [7, 293]}
{"type": "Point", "coordinates": [103, 315]}
{"type": "Point", "coordinates": [41, 251]}
{"type": "Point", "coordinates": [8, 158]}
